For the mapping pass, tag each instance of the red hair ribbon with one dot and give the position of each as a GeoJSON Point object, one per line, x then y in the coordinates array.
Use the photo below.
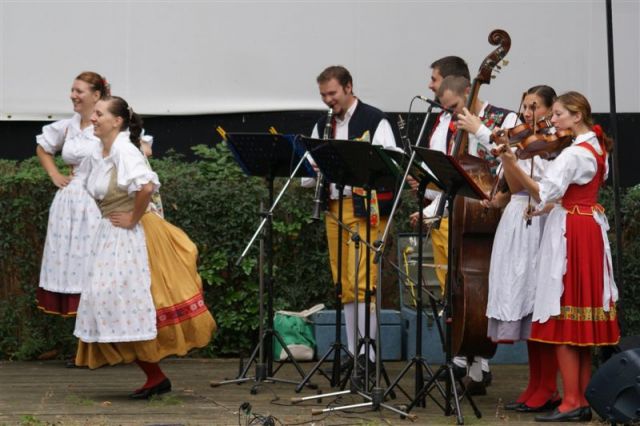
{"type": "Point", "coordinates": [107, 86]}
{"type": "Point", "coordinates": [598, 131]}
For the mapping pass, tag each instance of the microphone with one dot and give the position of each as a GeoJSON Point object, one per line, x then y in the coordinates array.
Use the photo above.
{"type": "Point", "coordinates": [434, 103]}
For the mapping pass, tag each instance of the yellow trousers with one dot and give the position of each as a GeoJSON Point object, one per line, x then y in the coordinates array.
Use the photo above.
{"type": "Point", "coordinates": [440, 243]}
{"type": "Point", "coordinates": [349, 253]}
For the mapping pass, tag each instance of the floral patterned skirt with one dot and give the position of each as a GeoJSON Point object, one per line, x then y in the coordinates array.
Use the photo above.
{"type": "Point", "coordinates": [72, 224]}
{"type": "Point", "coordinates": [183, 321]}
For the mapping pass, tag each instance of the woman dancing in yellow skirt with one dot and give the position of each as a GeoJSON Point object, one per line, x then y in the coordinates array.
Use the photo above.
{"type": "Point", "coordinates": [144, 298]}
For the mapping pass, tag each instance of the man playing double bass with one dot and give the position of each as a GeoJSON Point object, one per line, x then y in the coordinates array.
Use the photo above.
{"type": "Point", "coordinates": [439, 139]}
{"type": "Point", "coordinates": [479, 123]}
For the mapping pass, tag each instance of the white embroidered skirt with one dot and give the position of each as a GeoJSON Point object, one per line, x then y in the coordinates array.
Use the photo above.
{"type": "Point", "coordinates": [116, 305]}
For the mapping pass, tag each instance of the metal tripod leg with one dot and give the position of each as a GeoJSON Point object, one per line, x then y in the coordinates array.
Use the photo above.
{"type": "Point", "coordinates": [377, 394]}
{"type": "Point", "coordinates": [418, 361]}
{"type": "Point", "coordinates": [337, 347]}
{"type": "Point", "coordinates": [264, 363]}
{"type": "Point", "coordinates": [446, 370]}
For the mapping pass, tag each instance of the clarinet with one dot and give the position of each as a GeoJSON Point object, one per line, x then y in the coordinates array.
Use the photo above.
{"type": "Point", "coordinates": [406, 143]}
{"type": "Point", "coordinates": [317, 198]}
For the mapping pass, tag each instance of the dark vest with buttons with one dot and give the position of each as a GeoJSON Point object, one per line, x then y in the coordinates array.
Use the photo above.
{"type": "Point", "coordinates": [364, 118]}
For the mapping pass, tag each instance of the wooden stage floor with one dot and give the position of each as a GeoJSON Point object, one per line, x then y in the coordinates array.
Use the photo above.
{"type": "Point", "coordinates": [45, 393]}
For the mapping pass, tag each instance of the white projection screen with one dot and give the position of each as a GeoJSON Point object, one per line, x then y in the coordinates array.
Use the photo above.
{"type": "Point", "coordinates": [211, 57]}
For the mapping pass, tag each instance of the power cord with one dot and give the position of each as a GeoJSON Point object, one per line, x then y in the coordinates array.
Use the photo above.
{"type": "Point", "coordinates": [255, 418]}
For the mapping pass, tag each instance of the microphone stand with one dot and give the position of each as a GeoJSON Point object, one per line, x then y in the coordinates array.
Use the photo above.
{"type": "Point", "coordinates": [375, 397]}
{"type": "Point", "coordinates": [418, 360]}
{"type": "Point", "coordinates": [379, 245]}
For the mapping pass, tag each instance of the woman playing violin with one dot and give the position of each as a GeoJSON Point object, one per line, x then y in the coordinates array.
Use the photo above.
{"type": "Point", "coordinates": [575, 295]}
{"type": "Point", "coordinates": [511, 295]}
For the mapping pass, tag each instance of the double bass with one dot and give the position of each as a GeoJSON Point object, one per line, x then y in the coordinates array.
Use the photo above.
{"type": "Point", "coordinates": [472, 231]}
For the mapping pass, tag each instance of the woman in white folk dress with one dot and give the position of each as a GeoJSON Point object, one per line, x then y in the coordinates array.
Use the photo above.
{"type": "Point", "coordinates": [143, 297]}
{"type": "Point", "coordinates": [511, 291]}
{"type": "Point", "coordinates": [73, 215]}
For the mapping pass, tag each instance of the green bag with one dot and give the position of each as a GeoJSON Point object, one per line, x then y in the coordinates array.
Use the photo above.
{"type": "Point", "coordinates": [297, 332]}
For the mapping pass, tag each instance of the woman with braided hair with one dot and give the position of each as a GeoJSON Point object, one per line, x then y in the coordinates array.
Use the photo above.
{"type": "Point", "coordinates": [143, 298]}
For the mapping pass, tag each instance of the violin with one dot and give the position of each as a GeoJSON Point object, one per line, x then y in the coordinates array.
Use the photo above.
{"type": "Point", "coordinates": [519, 132]}
{"type": "Point", "coordinates": [543, 140]}
{"type": "Point", "coordinates": [556, 140]}
{"type": "Point", "coordinates": [522, 136]}
{"type": "Point", "coordinates": [547, 142]}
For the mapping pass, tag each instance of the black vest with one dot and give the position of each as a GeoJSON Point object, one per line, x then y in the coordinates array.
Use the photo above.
{"type": "Point", "coordinates": [364, 118]}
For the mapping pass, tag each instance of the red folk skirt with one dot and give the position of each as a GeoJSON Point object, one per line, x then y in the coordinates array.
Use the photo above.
{"type": "Point", "coordinates": [582, 320]}
{"type": "Point", "coordinates": [50, 302]}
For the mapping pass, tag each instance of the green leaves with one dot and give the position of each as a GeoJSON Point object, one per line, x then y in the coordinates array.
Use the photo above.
{"type": "Point", "coordinates": [215, 204]}
{"type": "Point", "coordinates": [630, 285]}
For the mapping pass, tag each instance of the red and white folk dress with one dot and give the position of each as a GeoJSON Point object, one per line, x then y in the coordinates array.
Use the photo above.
{"type": "Point", "coordinates": [576, 293]}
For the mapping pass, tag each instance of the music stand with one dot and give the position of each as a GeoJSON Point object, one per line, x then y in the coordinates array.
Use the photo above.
{"type": "Point", "coordinates": [421, 175]}
{"type": "Point", "coordinates": [455, 181]}
{"type": "Point", "coordinates": [269, 156]}
{"type": "Point", "coordinates": [363, 165]}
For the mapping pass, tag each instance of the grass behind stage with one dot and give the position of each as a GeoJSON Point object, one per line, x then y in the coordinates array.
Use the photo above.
{"type": "Point", "coordinates": [46, 393]}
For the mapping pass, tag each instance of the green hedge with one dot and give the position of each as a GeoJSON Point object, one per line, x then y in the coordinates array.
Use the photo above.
{"type": "Point", "coordinates": [630, 288]}
{"type": "Point", "coordinates": [218, 207]}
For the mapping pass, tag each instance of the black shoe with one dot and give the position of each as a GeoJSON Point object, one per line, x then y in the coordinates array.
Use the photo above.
{"type": "Point", "coordinates": [370, 365]}
{"type": "Point", "coordinates": [346, 365]}
{"type": "Point", "coordinates": [577, 415]}
{"type": "Point", "coordinates": [361, 363]}
{"type": "Point", "coordinates": [70, 363]}
{"type": "Point", "coordinates": [459, 372]}
{"type": "Point", "coordinates": [586, 414]}
{"type": "Point", "coordinates": [487, 378]}
{"type": "Point", "coordinates": [162, 387]}
{"type": "Point", "coordinates": [474, 388]}
{"type": "Point", "coordinates": [513, 405]}
{"type": "Point", "coordinates": [547, 406]}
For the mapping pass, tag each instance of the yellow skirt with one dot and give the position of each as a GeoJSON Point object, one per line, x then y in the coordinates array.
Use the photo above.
{"type": "Point", "coordinates": [182, 318]}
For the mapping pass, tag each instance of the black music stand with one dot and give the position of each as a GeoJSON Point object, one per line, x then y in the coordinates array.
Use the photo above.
{"type": "Point", "coordinates": [456, 182]}
{"type": "Point", "coordinates": [413, 167]}
{"type": "Point", "coordinates": [269, 156]}
{"type": "Point", "coordinates": [364, 165]}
